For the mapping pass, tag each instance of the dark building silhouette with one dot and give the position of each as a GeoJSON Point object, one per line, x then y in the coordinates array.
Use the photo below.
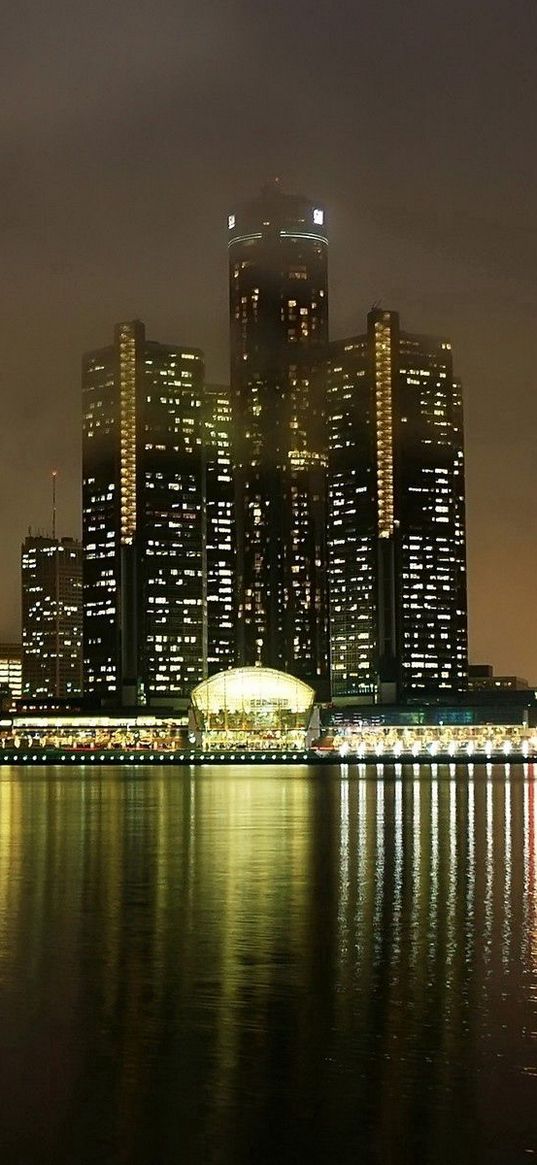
{"type": "Point", "coordinates": [481, 678]}
{"type": "Point", "coordinates": [279, 333]}
{"type": "Point", "coordinates": [51, 576]}
{"type": "Point", "coordinates": [397, 573]}
{"type": "Point", "coordinates": [142, 520]}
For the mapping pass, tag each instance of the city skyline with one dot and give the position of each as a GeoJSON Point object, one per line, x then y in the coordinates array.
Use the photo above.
{"type": "Point", "coordinates": [472, 655]}
{"type": "Point", "coordinates": [503, 650]}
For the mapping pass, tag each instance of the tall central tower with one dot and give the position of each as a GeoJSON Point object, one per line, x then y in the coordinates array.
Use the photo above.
{"type": "Point", "coordinates": [279, 333]}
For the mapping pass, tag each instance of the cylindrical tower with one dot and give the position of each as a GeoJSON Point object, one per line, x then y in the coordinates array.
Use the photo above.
{"type": "Point", "coordinates": [279, 332]}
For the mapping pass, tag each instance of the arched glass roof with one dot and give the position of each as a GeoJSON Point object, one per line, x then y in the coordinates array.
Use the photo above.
{"type": "Point", "coordinates": [242, 689]}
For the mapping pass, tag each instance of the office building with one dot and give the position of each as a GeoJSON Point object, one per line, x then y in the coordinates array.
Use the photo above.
{"type": "Point", "coordinates": [11, 670]}
{"type": "Point", "coordinates": [279, 331]}
{"type": "Point", "coordinates": [51, 618]}
{"type": "Point", "coordinates": [481, 678]}
{"type": "Point", "coordinates": [397, 561]}
{"type": "Point", "coordinates": [142, 520]}
{"type": "Point", "coordinates": [219, 529]}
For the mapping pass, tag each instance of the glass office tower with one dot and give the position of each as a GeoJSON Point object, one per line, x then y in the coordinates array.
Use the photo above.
{"type": "Point", "coordinates": [397, 544]}
{"type": "Point", "coordinates": [142, 520]}
{"type": "Point", "coordinates": [51, 575]}
{"type": "Point", "coordinates": [279, 331]}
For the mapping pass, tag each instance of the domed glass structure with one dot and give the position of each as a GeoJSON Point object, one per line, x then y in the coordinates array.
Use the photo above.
{"type": "Point", "coordinates": [252, 707]}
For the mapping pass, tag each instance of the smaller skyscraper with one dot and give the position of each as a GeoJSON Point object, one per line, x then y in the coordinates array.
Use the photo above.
{"type": "Point", "coordinates": [397, 546]}
{"type": "Point", "coordinates": [142, 499]}
{"type": "Point", "coordinates": [51, 617]}
{"type": "Point", "coordinates": [219, 531]}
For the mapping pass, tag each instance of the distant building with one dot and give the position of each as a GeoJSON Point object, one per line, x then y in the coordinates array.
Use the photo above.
{"type": "Point", "coordinates": [142, 520]}
{"type": "Point", "coordinates": [11, 669]}
{"type": "Point", "coordinates": [279, 330]}
{"type": "Point", "coordinates": [51, 617]}
{"type": "Point", "coordinates": [397, 557]}
{"type": "Point", "coordinates": [219, 529]}
{"type": "Point", "coordinates": [481, 678]}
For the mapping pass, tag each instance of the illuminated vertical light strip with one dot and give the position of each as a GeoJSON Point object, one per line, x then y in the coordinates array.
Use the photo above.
{"type": "Point", "coordinates": [127, 389]}
{"type": "Point", "coordinates": [383, 397]}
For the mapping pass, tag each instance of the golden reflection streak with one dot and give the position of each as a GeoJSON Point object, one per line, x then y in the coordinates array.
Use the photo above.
{"type": "Point", "coordinates": [398, 865]}
{"type": "Point", "coordinates": [470, 876]}
{"type": "Point", "coordinates": [489, 827]}
{"type": "Point", "coordinates": [379, 855]}
{"type": "Point", "coordinates": [507, 869]}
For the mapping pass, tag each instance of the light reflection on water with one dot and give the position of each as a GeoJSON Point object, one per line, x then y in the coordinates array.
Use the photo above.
{"type": "Point", "coordinates": [235, 965]}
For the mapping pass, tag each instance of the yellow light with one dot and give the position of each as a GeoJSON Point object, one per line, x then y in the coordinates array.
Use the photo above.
{"type": "Point", "coordinates": [127, 382]}
{"type": "Point", "coordinates": [383, 397]}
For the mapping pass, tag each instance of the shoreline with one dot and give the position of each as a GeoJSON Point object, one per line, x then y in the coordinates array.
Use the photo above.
{"type": "Point", "coordinates": [186, 758]}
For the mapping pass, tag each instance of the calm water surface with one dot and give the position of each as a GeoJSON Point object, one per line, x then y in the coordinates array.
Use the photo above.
{"type": "Point", "coordinates": [227, 966]}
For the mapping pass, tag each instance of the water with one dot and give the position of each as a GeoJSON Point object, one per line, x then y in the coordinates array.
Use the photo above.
{"type": "Point", "coordinates": [273, 965]}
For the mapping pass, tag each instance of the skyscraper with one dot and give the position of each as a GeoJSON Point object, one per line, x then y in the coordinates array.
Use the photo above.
{"type": "Point", "coordinates": [397, 547]}
{"type": "Point", "coordinates": [279, 331]}
{"type": "Point", "coordinates": [219, 529]}
{"type": "Point", "coordinates": [51, 617]}
{"type": "Point", "coordinates": [142, 520]}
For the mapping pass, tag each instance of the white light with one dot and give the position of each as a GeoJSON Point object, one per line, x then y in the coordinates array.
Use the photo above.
{"type": "Point", "coordinates": [344, 750]}
{"type": "Point", "coordinates": [231, 221]}
{"type": "Point", "coordinates": [318, 217]}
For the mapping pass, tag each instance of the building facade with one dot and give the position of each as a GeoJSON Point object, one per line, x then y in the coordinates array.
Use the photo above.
{"type": "Point", "coordinates": [219, 529]}
{"type": "Point", "coordinates": [51, 573]}
{"type": "Point", "coordinates": [279, 332]}
{"type": "Point", "coordinates": [142, 520]}
{"type": "Point", "coordinates": [397, 547]}
{"type": "Point", "coordinates": [11, 669]}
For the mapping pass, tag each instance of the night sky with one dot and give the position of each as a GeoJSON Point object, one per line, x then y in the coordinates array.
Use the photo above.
{"type": "Point", "coordinates": [129, 130]}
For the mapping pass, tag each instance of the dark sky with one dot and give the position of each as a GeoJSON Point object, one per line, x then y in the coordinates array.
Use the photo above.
{"type": "Point", "coordinates": [128, 130]}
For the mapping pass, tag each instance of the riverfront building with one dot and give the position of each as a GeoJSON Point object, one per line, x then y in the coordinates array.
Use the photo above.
{"type": "Point", "coordinates": [253, 708]}
{"type": "Point", "coordinates": [397, 554]}
{"type": "Point", "coordinates": [279, 331]}
{"type": "Point", "coordinates": [143, 520]}
{"type": "Point", "coordinates": [51, 572]}
{"type": "Point", "coordinates": [11, 670]}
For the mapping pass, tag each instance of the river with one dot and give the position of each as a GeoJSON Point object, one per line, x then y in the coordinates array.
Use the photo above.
{"type": "Point", "coordinates": [220, 966]}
